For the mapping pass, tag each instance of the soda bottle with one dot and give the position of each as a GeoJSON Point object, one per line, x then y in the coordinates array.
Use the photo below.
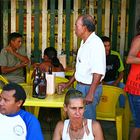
{"type": "Point", "coordinates": [42, 86]}
{"type": "Point", "coordinates": [36, 81]}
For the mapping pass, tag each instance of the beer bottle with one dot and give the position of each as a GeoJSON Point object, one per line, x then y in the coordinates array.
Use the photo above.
{"type": "Point", "coordinates": [50, 70]}
{"type": "Point", "coordinates": [35, 83]}
{"type": "Point", "coordinates": [42, 86]}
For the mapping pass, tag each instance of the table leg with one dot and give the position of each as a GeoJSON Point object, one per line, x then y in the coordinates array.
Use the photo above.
{"type": "Point", "coordinates": [63, 114]}
{"type": "Point", "coordinates": [36, 111]}
{"type": "Point", "coordinates": [33, 109]}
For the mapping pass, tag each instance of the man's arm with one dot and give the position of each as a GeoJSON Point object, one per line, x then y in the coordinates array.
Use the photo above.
{"type": "Point", "coordinates": [95, 83]}
{"type": "Point", "coordinates": [5, 69]}
{"type": "Point", "coordinates": [23, 61]}
{"type": "Point", "coordinates": [120, 77]}
{"type": "Point", "coordinates": [22, 58]}
{"type": "Point", "coordinates": [34, 131]}
{"type": "Point", "coordinates": [121, 73]}
{"type": "Point", "coordinates": [69, 83]}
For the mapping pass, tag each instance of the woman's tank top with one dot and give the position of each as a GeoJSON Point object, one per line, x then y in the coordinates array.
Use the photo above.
{"type": "Point", "coordinates": [133, 79]}
{"type": "Point", "coordinates": [65, 134]}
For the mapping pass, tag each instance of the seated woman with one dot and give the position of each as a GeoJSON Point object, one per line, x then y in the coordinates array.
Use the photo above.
{"type": "Point", "coordinates": [51, 61]}
{"type": "Point", "coordinates": [77, 127]}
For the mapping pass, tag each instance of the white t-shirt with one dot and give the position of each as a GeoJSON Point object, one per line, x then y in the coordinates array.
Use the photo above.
{"type": "Point", "coordinates": [91, 58]}
{"type": "Point", "coordinates": [20, 126]}
{"type": "Point", "coordinates": [12, 128]}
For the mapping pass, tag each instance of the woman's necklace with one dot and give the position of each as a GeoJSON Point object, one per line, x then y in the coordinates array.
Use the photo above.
{"type": "Point", "coordinates": [77, 135]}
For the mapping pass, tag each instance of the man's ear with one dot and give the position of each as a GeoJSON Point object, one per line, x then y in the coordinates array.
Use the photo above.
{"type": "Point", "coordinates": [19, 103]}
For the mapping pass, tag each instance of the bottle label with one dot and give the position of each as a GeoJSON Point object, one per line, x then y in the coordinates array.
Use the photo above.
{"type": "Point", "coordinates": [36, 89]}
{"type": "Point", "coordinates": [42, 91]}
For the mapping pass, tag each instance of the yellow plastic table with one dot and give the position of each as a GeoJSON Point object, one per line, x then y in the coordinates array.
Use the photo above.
{"type": "Point", "coordinates": [51, 101]}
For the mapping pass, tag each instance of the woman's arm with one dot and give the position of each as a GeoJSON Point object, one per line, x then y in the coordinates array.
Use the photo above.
{"type": "Point", "coordinates": [135, 48]}
{"type": "Point", "coordinates": [58, 131]}
{"type": "Point", "coordinates": [97, 131]}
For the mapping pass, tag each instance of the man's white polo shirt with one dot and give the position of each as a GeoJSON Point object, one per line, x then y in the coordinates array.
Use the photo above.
{"type": "Point", "coordinates": [90, 59]}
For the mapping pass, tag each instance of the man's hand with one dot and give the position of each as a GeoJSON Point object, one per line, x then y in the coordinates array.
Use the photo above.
{"type": "Point", "coordinates": [114, 84]}
{"type": "Point", "coordinates": [21, 65]}
{"type": "Point", "coordinates": [63, 85]}
{"type": "Point", "coordinates": [89, 98]}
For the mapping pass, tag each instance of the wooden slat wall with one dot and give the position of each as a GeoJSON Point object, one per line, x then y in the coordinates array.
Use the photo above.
{"type": "Point", "coordinates": [5, 23]}
{"type": "Point", "coordinates": [75, 15]}
{"type": "Point", "coordinates": [99, 18]}
{"type": "Point", "coordinates": [83, 6]}
{"type": "Point", "coordinates": [42, 31]}
{"type": "Point", "coordinates": [122, 27]}
{"type": "Point", "coordinates": [13, 15]}
{"type": "Point", "coordinates": [21, 17]}
{"type": "Point", "coordinates": [60, 23]}
{"type": "Point", "coordinates": [52, 23]}
{"type": "Point", "coordinates": [44, 25]}
{"type": "Point", "coordinates": [36, 52]}
{"type": "Point", "coordinates": [91, 7]}
{"type": "Point", "coordinates": [115, 4]}
{"type": "Point", "coordinates": [107, 17]}
{"type": "Point", "coordinates": [28, 28]}
{"type": "Point", "coordinates": [68, 29]}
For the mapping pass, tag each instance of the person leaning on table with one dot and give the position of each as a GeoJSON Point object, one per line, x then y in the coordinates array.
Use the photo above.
{"type": "Point", "coordinates": [15, 123]}
{"type": "Point", "coordinates": [13, 59]}
{"type": "Point", "coordinates": [77, 127]}
{"type": "Point", "coordinates": [90, 65]}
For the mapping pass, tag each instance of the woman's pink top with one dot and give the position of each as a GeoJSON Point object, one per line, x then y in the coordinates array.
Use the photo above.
{"type": "Point", "coordinates": [133, 80]}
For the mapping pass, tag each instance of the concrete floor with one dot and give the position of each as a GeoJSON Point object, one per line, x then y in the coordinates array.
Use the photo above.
{"type": "Point", "coordinates": [49, 117]}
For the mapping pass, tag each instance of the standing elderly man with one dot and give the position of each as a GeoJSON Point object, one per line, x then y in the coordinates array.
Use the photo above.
{"type": "Point", "coordinates": [15, 123]}
{"type": "Point", "coordinates": [13, 59]}
{"type": "Point", "coordinates": [90, 65]}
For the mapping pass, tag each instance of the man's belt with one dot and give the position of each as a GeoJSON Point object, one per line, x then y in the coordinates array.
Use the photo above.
{"type": "Point", "coordinates": [83, 83]}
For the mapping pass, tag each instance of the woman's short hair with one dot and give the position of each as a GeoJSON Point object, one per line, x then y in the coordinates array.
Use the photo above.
{"type": "Point", "coordinates": [72, 94]}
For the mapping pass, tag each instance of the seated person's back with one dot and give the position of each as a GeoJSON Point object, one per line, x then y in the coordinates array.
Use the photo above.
{"type": "Point", "coordinates": [51, 61]}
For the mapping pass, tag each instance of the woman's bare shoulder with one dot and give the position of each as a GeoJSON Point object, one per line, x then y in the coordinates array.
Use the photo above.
{"type": "Point", "coordinates": [60, 123]}
{"type": "Point", "coordinates": [95, 123]}
{"type": "Point", "coordinates": [97, 130]}
{"type": "Point", "coordinates": [59, 126]}
{"type": "Point", "coordinates": [58, 131]}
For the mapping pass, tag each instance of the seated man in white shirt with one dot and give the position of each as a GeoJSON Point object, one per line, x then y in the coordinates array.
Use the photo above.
{"type": "Point", "coordinates": [15, 123]}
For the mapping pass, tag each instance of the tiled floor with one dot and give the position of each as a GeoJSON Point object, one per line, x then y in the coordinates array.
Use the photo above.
{"type": "Point", "coordinates": [49, 118]}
